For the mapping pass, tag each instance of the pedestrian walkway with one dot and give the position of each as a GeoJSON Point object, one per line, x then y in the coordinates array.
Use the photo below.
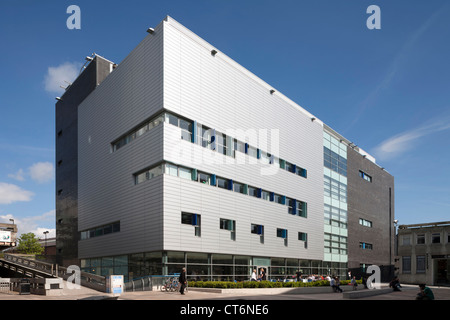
{"type": "Point", "coordinates": [408, 292]}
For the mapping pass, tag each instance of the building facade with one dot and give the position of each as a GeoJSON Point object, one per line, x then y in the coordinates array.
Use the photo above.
{"type": "Point", "coordinates": [185, 158]}
{"type": "Point", "coordinates": [424, 253]}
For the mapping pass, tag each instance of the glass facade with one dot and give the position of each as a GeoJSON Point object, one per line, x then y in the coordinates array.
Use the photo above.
{"type": "Point", "coordinates": [206, 266]}
{"type": "Point", "coordinates": [335, 201]}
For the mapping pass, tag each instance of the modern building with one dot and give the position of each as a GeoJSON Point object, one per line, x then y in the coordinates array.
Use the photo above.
{"type": "Point", "coordinates": [424, 253]}
{"type": "Point", "coordinates": [181, 157]}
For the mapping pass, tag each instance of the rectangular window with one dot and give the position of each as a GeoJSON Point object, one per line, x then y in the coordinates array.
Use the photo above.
{"type": "Point", "coordinates": [265, 158]}
{"type": "Point", "coordinates": [238, 187]}
{"type": "Point", "coordinates": [420, 239]}
{"type": "Point", "coordinates": [406, 240]}
{"type": "Point", "coordinates": [420, 264]}
{"type": "Point", "coordinates": [221, 143]}
{"type": "Point", "coordinates": [278, 198]}
{"type": "Point", "coordinates": [257, 229]}
{"type": "Point", "coordinates": [185, 173]}
{"type": "Point", "coordinates": [365, 176]}
{"type": "Point", "coordinates": [171, 119]}
{"type": "Point", "coordinates": [265, 195]}
{"type": "Point", "coordinates": [223, 183]}
{"type": "Point", "coordinates": [205, 138]}
{"type": "Point", "coordinates": [406, 264]}
{"type": "Point", "coordinates": [204, 178]}
{"type": "Point", "coordinates": [192, 219]}
{"type": "Point", "coordinates": [229, 225]}
{"type": "Point", "coordinates": [281, 233]}
{"type": "Point", "coordinates": [252, 191]}
{"type": "Point", "coordinates": [239, 146]}
{"type": "Point", "coordinates": [186, 130]}
{"type": "Point", "coordinates": [302, 236]}
{"type": "Point", "coordinates": [300, 172]}
{"type": "Point", "coordinates": [252, 152]}
{"type": "Point", "coordinates": [436, 238]}
{"type": "Point", "coordinates": [100, 231]}
{"type": "Point", "coordinates": [301, 209]}
{"type": "Point", "coordinates": [171, 169]}
{"type": "Point", "coordinates": [365, 223]}
{"type": "Point", "coordinates": [365, 246]}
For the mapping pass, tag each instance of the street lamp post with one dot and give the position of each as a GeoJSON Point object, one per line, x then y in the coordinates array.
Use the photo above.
{"type": "Point", "coordinates": [45, 248]}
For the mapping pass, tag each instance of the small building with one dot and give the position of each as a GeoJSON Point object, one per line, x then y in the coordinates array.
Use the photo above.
{"type": "Point", "coordinates": [424, 253]}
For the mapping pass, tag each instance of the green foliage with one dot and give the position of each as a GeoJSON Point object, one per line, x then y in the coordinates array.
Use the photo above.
{"type": "Point", "coordinates": [29, 244]}
{"type": "Point", "coordinates": [262, 284]}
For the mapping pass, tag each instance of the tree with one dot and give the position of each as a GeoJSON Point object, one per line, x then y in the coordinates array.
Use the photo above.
{"type": "Point", "coordinates": [29, 244]}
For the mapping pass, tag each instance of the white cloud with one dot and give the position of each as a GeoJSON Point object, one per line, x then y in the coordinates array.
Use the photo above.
{"type": "Point", "coordinates": [400, 143]}
{"type": "Point", "coordinates": [33, 224]}
{"type": "Point", "coordinates": [56, 76]}
{"type": "Point", "coordinates": [19, 175]}
{"type": "Point", "coordinates": [42, 172]}
{"type": "Point", "coordinates": [10, 193]}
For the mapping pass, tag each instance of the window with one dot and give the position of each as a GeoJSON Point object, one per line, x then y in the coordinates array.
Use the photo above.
{"type": "Point", "coordinates": [303, 237]}
{"type": "Point", "coordinates": [265, 158]}
{"type": "Point", "coordinates": [192, 219]}
{"type": "Point", "coordinates": [365, 223]}
{"type": "Point", "coordinates": [171, 169]}
{"type": "Point", "coordinates": [365, 176]}
{"type": "Point", "coordinates": [148, 174]}
{"type": "Point", "coordinates": [100, 231]}
{"type": "Point", "coordinates": [172, 119]}
{"type": "Point", "coordinates": [238, 187]}
{"type": "Point", "coordinates": [300, 172]}
{"type": "Point", "coordinates": [265, 195]}
{"type": "Point", "coordinates": [301, 209]}
{"type": "Point", "coordinates": [257, 229]}
{"type": "Point", "coordinates": [334, 161]}
{"type": "Point", "coordinates": [221, 143]}
{"type": "Point", "coordinates": [436, 238]}
{"type": "Point", "coordinates": [406, 240]}
{"type": "Point", "coordinates": [239, 146]}
{"type": "Point", "coordinates": [365, 246]}
{"type": "Point", "coordinates": [420, 264]}
{"type": "Point", "coordinates": [223, 183]}
{"type": "Point", "coordinates": [186, 130]}
{"type": "Point", "coordinates": [252, 191]}
{"type": "Point", "coordinates": [206, 138]}
{"type": "Point", "coordinates": [278, 198]}
{"type": "Point", "coordinates": [204, 178]}
{"type": "Point", "coordinates": [420, 239]}
{"type": "Point", "coordinates": [252, 152]}
{"type": "Point", "coordinates": [185, 173]}
{"type": "Point", "coordinates": [406, 264]}
{"type": "Point", "coordinates": [229, 225]}
{"type": "Point", "coordinates": [282, 233]}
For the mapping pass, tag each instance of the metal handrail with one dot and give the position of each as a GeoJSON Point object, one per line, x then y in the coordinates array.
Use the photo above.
{"type": "Point", "coordinates": [92, 281]}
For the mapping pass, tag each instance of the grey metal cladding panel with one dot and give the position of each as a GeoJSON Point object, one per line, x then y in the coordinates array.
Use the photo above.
{"type": "Point", "coordinates": [128, 96]}
{"type": "Point", "coordinates": [213, 203]}
{"type": "Point", "coordinates": [213, 92]}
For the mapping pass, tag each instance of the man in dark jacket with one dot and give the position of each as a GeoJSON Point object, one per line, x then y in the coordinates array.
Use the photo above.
{"type": "Point", "coordinates": [182, 280]}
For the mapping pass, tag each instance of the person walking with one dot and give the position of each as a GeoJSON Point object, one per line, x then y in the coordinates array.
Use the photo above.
{"type": "Point", "coordinates": [182, 280]}
{"type": "Point", "coordinates": [253, 278]}
{"type": "Point", "coordinates": [354, 283]}
{"type": "Point", "coordinates": [337, 285]}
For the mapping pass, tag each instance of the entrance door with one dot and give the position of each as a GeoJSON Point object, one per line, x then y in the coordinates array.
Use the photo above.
{"type": "Point", "coordinates": [442, 272]}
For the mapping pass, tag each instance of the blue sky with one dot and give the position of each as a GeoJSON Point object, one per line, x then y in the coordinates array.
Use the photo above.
{"type": "Point", "coordinates": [387, 90]}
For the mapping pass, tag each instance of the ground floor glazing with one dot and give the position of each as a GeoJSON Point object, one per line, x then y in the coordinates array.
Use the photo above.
{"type": "Point", "coordinates": [209, 266]}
